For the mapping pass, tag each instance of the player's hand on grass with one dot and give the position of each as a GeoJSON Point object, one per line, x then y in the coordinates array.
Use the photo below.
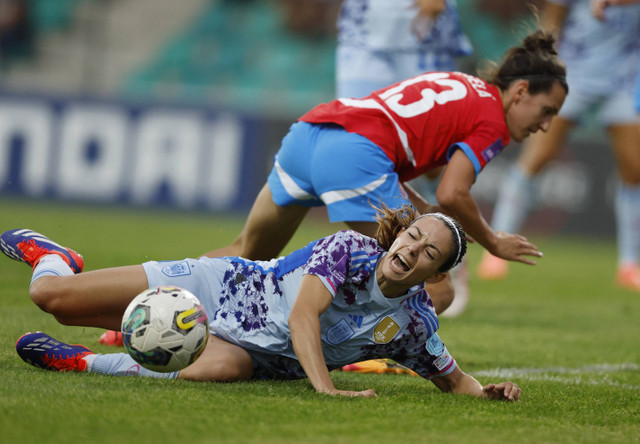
{"type": "Point", "coordinates": [515, 247]}
{"type": "Point", "coordinates": [505, 391]}
{"type": "Point", "coordinates": [352, 393]}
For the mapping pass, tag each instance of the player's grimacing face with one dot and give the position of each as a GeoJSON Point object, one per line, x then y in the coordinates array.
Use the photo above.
{"type": "Point", "coordinates": [418, 252]}
{"type": "Point", "coordinates": [531, 113]}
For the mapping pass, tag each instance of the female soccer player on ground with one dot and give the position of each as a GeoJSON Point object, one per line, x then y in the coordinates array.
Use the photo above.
{"type": "Point", "coordinates": [343, 298]}
{"type": "Point", "coordinates": [602, 58]}
{"type": "Point", "coordinates": [352, 152]}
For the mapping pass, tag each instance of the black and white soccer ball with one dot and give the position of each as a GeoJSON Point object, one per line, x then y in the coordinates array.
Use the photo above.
{"type": "Point", "coordinates": [165, 329]}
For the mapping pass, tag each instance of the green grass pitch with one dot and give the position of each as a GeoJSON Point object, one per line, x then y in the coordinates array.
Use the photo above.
{"type": "Point", "coordinates": [561, 330]}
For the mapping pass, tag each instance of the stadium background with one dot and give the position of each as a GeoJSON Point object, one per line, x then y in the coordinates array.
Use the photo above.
{"type": "Point", "coordinates": [182, 104]}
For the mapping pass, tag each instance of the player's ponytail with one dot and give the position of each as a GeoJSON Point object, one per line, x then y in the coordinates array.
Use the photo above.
{"type": "Point", "coordinates": [536, 61]}
{"type": "Point", "coordinates": [391, 222]}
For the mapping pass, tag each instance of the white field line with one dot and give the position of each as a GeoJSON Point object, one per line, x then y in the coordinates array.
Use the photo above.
{"type": "Point", "coordinates": [597, 374]}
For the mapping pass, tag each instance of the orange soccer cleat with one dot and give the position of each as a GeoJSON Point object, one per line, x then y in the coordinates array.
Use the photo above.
{"type": "Point", "coordinates": [111, 337]}
{"type": "Point", "coordinates": [628, 276]}
{"type": "Point", "coordinates": [492, 268]}
{"type": "Point", "coordinates": [378, 366]}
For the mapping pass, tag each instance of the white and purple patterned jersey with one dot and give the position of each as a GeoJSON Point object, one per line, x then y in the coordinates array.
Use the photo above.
{"type": "Point", "coordinates": [386, 25]}
{"type": "Point", "coordinates": [256, 298]}
{"type": "Point", "coordinates": [601, 56]}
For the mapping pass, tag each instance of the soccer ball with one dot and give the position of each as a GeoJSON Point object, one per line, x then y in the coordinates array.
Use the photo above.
{"type": "Point", "coordinates": [165, 328]}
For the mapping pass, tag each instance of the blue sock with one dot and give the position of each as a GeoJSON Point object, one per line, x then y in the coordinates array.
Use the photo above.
{"type": "Point", "coordinates": [121, 364]}
{"type": "Point", "coordinates": [627, 206]}
{"type": "Point", "coordinates": [514, 201]}
{"type": "Point", "coordinates": [51, 265]}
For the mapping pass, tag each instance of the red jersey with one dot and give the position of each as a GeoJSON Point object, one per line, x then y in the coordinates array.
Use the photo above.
{"type": "Point", "coordinates": [420, 121]}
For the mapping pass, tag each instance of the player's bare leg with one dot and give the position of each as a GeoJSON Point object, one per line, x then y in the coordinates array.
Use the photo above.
{"type": "Point", "coordinates": [220, 361]}
{"type": "Point", "coordinates": [91, 299]}
{"type": "Point", "coordinates": [267, 231]}
{"type": "Point", "coordinates": [626, 144]}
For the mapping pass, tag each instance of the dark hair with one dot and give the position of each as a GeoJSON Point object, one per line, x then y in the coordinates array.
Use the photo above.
{"type": "Point", "coordinates": [391, 222]}
{"type": "Point", "coordinates": [536, 60]}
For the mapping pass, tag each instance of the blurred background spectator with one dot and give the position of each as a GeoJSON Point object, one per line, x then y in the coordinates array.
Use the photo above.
{"type": "Point", "coordinates": [16, 33]}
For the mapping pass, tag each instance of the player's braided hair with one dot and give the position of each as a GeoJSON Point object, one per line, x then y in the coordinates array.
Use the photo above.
{"type": "Point", "coordinates": [391, 222]}
{"type": "Point", "coordinates": [536, 60]}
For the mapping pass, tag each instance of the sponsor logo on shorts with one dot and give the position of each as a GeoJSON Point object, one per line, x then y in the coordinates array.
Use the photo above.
{"type": "Point", "coordinates": [175, 269]}
{"type": "Point", "coordinates": [386, 330]}
{"type": "Point", "coordinates": [339, 332]}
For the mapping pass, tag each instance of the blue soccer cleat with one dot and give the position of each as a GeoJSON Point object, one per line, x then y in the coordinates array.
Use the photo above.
{"type": "Point", "coordinates": [42, 351]}
{"type": "Point", "coordinates": [28, 246]}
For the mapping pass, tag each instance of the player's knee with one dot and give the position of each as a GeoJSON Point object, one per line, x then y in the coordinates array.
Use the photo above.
{"type": "Point", "coordinates": [47, 295]}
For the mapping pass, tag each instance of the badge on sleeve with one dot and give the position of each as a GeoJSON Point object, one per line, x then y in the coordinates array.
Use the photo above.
{"type": "Point", "coordinates": [434, 346]}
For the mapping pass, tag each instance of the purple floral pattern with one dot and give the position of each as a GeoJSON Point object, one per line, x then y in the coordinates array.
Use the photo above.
{"type": "Point", "coordinates": [345, 260]}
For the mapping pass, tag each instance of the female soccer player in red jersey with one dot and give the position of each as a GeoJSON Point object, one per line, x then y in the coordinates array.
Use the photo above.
{"type": "Point", "coordinates": [350, 153]}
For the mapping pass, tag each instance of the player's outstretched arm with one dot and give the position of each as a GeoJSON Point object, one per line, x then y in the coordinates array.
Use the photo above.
{"type": "Point", "coordinates": [304, 323]}
{"type": "Point", "coordinates": [460, 383]}
{"type": "Point", "coordinates": [454, 196]}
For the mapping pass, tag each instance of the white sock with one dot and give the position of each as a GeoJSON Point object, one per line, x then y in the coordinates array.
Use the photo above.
{"type": "Point", "coordinates": [121, 364]}
{"type": "Point", "coordinates": [51, 265]}
{"type": "Point", "coordinates": [627, 205]}
{"type": "Point", "coordinates": [514, 201]}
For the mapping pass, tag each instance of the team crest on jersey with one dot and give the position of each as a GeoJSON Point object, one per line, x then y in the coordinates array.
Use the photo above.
{"type": "Point", "coordinates": [175, 269]}
{"type": "Point", "coordinates": [386, 330]}
{"type": "Point", "coordinates": [339, 333]}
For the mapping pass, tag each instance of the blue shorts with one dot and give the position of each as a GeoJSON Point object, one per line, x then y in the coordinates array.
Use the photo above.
{"type": "Point", "coordinates": [326, 165]}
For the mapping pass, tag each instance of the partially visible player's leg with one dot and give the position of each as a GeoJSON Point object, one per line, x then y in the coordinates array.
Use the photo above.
{"type": "Point", "coordinates": [626, 142]}
{"type": "Point", "coordinates": [267, 231]}
{"type": "Point", "coordinates": [43, 351]}
{"type": "Point", "coordinates": [283, 202]}
{"type": "Point", "coordinates": [517, 192]}
{"type": "Point", "coordinates": [95, 299]}
{"type": "Point", "coordinates": [92, 299]}
{"type": "Point", "coordinates": [220, 361]}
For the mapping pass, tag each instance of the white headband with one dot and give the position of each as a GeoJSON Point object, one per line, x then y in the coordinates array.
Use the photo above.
{"type": "Point", "coordinates": [449, 222]}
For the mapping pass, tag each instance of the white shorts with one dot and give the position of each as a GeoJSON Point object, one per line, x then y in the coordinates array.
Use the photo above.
{"type": "Point", "coordinates": [614, 109]}
{"type": "Point", "coordinates": [202, 277]}
{"type": "Point", "coordinates": [360, 71]}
